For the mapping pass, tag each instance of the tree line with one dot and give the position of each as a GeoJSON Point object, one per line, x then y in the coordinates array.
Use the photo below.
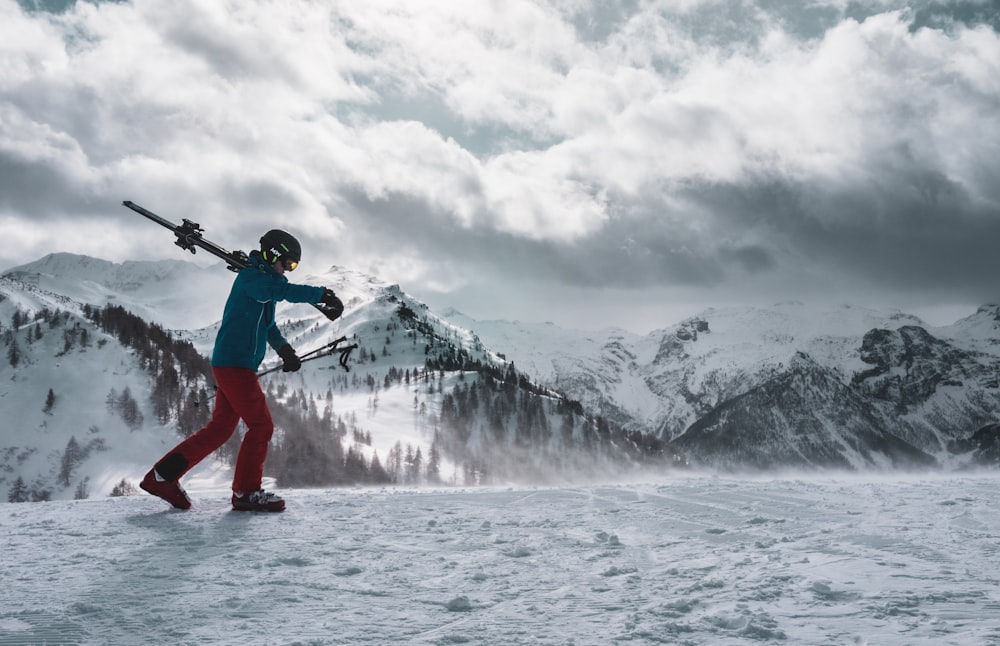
{"type": "Point", "coordinates": [505, 430]}
{"type": "Point", "coordinates": [180, 373]}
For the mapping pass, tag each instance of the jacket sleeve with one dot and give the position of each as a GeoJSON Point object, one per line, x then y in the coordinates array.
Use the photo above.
{"type": "Point", "coordinates": [265, 288]}
{"type": "Point", "coordinates": [275, 338]}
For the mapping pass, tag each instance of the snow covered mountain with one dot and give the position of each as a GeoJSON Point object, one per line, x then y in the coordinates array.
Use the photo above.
{"type": "Point", "coordinates": [175, 293]}
{"type": "Point", "coordinates": [789, 385]}
{"type": "Point", "coordinates": [444, 398]}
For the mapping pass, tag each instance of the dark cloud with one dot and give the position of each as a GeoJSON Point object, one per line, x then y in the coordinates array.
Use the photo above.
{"type": "Point", "coordinates": [53, 6]}
{"type": "Point", "coordinates": [753, 259]}
{"type": "Point", "coordinates": [910, 229]}
{"type": "Point", "coordinates": [627, 251]}
{"type": "Point", "coordinates": [945, 15]}
{"type": "Point", "coordinates": [40, 188]}
{"type": "Point", "coordinates": [598, 20]}
{"type": "Point", "coordinates": [917, 232]}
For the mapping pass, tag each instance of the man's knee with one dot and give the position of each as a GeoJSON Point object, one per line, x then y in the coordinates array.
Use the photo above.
{"type": "Point", "coordinates": [260, 432]}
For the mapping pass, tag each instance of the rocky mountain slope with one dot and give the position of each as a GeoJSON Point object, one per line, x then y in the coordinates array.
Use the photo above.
{"type": "Point", "coordinates": [785, 385]}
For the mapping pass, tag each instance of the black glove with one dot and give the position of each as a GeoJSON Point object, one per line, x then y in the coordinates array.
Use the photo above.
{"type": "Point", "coordinates": [330, 305]}
{"type": "Point", "coordinates": [291, 360]}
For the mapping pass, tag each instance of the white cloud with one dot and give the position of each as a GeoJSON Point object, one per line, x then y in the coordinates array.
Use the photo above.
{"type": "Point", "coordinates": [664, 143]}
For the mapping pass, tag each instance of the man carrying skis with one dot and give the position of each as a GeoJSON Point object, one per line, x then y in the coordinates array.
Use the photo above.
{"type": "Point", "coordinates": [247, 326]}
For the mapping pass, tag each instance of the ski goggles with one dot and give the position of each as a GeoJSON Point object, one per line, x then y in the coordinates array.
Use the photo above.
{"type": "Point", "coordinates": [290, 264]}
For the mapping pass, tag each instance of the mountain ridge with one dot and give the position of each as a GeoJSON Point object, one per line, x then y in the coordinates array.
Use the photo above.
{"type": "Point", "coordinates": [887, 390]}
{"type": "Point", "coordinates": [674, 377]}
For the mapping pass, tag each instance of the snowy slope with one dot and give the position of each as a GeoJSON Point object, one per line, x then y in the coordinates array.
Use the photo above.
{"type": "Point", "coordinates": [175, 293]}
{"type": "Point", "coordinates": [701, 561]}
{"type": "Point", "coordinates": [34, 440]}
{"type": "Point", "coordinates": [979, 331]}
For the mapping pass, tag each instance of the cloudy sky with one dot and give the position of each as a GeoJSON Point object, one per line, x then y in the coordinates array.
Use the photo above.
{"type": "Point", "coordinates": [586, 162]}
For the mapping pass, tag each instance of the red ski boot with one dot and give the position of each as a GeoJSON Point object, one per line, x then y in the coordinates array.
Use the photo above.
{"type": "Point", "coordinates": [169, 491]}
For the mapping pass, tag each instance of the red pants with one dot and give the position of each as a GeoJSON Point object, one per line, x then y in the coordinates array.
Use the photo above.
{"type": "Point", "coordinates": [239, 396]}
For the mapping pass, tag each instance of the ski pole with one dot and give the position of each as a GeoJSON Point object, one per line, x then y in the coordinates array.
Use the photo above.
{"type": "Point", "coordinates": [322, 351]}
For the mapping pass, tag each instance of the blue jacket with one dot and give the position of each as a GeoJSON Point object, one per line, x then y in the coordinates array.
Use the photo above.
{"type": "Point", "coordinates": [248, 320]}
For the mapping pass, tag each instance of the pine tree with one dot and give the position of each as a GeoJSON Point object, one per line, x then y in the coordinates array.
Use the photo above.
{"type": "Point", "coordinates": [68, 339]}
{"type": "Point", "coordinates": [82, 492]}
{"type": "Point", "coordinates": [128, 407]}
{"type": "Point", "coordinates": [71, 459]}
{"type": "Point", "coordinates": [41, 495]}
{"type": "Point", "coordinates": [394, 462]}
{"type": "Point", "coordinates": [14, 354]}
{"type": "Point", "coordinates": [434, 464]}
{"type": "Point", "coordinates": [50, 401]}
{"type": "Point", "coordinates": [123, 488]}
{"type": "Point", "coordinates": [377, 473]}
{"type": "Point", "coordinates": [355, 468]}
{"type": "Point", "coordinates": [18, 491]}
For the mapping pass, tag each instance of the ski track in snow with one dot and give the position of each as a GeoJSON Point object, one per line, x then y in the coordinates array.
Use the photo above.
{"type": "Point", "coordinates": [691, 560]}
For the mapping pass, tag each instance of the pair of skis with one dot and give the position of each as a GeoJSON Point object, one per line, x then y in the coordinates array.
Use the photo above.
{"type": "Point", "coordinates": [189, 237]}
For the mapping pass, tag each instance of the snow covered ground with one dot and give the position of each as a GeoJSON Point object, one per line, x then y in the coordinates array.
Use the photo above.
{"type": "Point", "coordinates": [685, 560]}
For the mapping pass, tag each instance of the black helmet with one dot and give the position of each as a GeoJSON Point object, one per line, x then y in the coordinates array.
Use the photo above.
{"type": "Point", "coordinates": [280, 245]}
